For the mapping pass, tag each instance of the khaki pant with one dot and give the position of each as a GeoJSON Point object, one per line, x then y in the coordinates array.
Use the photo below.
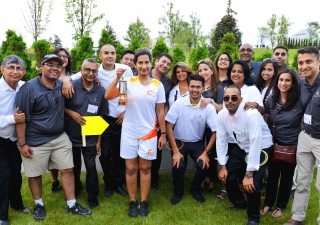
{"type": "Point", "coordinates": [308, 154]}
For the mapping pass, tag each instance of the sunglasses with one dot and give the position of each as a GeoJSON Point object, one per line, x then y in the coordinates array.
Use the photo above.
{"type": "Point", "coordinates": [234, 98]}
{"type": "Point", "coordinates": [278, 53]}
{"type": "Point", "coordinates": [270, 59]}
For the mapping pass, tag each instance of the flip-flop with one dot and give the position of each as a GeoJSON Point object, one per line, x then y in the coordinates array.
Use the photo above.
{"type": "Point", "coordinates": [220, 197]}
{"type": "Point", "coordinates": [275, 211]}
{"type": "Point", "coordinates": [265, 210]}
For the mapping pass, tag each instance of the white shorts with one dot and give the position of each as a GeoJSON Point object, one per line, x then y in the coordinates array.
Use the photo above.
{"type": "Point", "coordinates": [130, 148]}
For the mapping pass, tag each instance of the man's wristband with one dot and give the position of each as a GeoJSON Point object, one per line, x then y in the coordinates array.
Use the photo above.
{"type": "Point", "coordinates": [163, 132]}
{"type": "Point", "coordinates": [22, 145]}
{"type": "Point", "coordinates": [207, 151]}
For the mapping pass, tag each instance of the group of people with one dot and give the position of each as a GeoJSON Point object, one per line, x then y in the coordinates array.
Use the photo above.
{"type": "Point", "coordinates": [227, 118]}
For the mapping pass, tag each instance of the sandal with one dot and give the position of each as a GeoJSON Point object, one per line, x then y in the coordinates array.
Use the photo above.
{"type": "Point", "coordinates": [223, 194]}
{"type": "Point", "coordinates": [204, 183]}
{"type": "Point", "coordinates": [265, 210]}
{"type": "Point", "coordinates": [277, 213]}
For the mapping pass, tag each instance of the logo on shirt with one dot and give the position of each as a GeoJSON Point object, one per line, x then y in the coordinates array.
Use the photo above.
{"type": "Point", "coordinates": [151, 152]}
{"type": "Point", "coordinates": [94, 100]}
{"type": "Point", "coordinates": [151, 93]}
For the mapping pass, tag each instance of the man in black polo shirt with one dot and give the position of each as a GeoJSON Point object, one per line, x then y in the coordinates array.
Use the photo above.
{"type": "Point", "coordinates": [162, 66]}
{"type": "Point", "coordinates": [42, 141]}
{"type": "Point", "coordinates": [88, 100]}
{"type": "Point", "coordinates": [308, 152]}
{"type": "Point", "coordinates": [245, 54]}
{"type": "Point", "coordinates": [126, 58]}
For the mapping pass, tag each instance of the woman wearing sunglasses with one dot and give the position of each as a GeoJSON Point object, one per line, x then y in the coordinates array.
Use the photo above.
{"type": "Point", "coordinates": [222, 63]}
{"type": "Point", "coordinates": [266, 77]}
{"type": "Point", "coordinates": [213, 94]}
{"type": "Point", "coordinates": [285, 99]}
{"type": "Point", "coordinates": [179, 81]}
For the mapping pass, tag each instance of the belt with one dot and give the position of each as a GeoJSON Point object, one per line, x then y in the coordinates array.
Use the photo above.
{"type": "Point", "coordinates": [316, 136]}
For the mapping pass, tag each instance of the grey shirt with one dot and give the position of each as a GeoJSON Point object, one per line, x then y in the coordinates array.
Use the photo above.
{"type": "Point", "coordinates": [218, 98]}
{"type": "Point", "coordinates": [86, 103]}
{"type": "Point", "coordinates": [44, 110]}
{"type": "Point", "coordinates": [313, 108]}
{"type": "Point", "coordinates": [288, 123]}
{"type": "Point", "coordinates": [254, 70]}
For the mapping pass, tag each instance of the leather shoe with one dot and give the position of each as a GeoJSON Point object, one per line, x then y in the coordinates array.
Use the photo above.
{"type": "Point", "coordinates": [198, 196]}
{"type": "Point", "coordinates": [175, 199]}
{"type": "Point", "coordinates": [4, 222]}
{"type": "Point", "coordinates": [234, 208]}
{"type": "Point", "coordinates": [250, 222]}
{"type": "Point", "coordinates": [294, 222]}
{"type": "Point", "coordinates": [108, 193]}
{"type": "Point", "coordinates": [93, 204]}
{"type": "Point", "coordinates": [121, 190]}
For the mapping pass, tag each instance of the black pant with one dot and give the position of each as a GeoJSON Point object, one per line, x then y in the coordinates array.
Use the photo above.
{"type": "Point", "coordinates": [194, 149]}
{"type": "Point", "coordinates": [10, 177]}
{"type": "Point", "coordinates": [112, 164]}
{"type": "Point", "coordinates": [212, 172]}
{"type": "Point", "coordinates": [155, 167]}
{"type": "Point", "coordinates": [286, 171]}
{"type": "Point", "coordinates": [89, 157]}
{"type": "Point", "coordinates": [236, 167]}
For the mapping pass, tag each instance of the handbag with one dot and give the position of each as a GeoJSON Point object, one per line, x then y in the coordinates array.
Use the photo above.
{"type": "Point", "coordinates": [281, 153]}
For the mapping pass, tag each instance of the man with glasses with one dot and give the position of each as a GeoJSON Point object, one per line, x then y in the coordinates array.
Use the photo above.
{"type": "Point", "coordinates": [248, 159]}
{"type": "Point", "coordinates": [245, 54]}
{"type": "Point", "coordinates": [42, 141]}
{"type": "Point", "coordinates": [189, 122]}
{"type": "Point", "coordinates": [12, 69]}
{"type": "Point", "coordinates": [88, 100]}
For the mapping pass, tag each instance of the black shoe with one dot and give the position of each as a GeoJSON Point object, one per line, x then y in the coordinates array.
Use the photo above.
{"type": "Point", "coordinates": [78, 209]}
{"type": "Point", "coordinates": [108, 192]}
{"type": "Point", "coordinates": [4, 222]}
{"type": "Point", "coordinates": [133, 209]}
{"type": "Point", "coordinates": [292, 193]}
{"type": "Point", "coordinates": [235, 208]}
{"type": "Point", "coordinates": [24, 209]}
{"type": "Point", "coordinates": [121, 190]}
{"type": "Point", "coordinates": [250, 222]}
{"type": "Point", "coordinates": [175, 199]}
{"type": "Point", "coordinates": [55, 187]}
{"type": "Point", "coordinates": [144, 208]}
{"type": "Point", "coordinates": [93, 204]}
{"type": "Point", "coordinates": [198, 196]}
{"type": "Point", "coordinates": [39, 212]}
{"type": "Point", "coordinates": [155, 186]}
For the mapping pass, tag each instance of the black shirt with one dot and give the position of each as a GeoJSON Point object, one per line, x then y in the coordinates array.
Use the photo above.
{"type": "Point", "coordinates": [165, 82]}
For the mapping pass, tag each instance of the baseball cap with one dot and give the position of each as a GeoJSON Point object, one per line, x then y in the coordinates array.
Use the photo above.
{"type": "Point", "coordinates": [52, 56]}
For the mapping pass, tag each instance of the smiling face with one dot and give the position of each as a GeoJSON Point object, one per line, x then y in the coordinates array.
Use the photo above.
{"type": "Point", "coordinates": [50, 71]}
{"type": "Point", "coordinates": [63, 55]}
{"type": "Point", "coordinates": [162, 65]}
{"type": "Point", "coordinates": [281, 56]}
{"type": "Point", "coordinates": [205, 71]}
{"type": "Point", "coordinates": [246, 53]}
{"type": "Point", "coordinates": [267, 72]}
{"type": "Point", "coordinates": [237, 75]}
{"type": "Point", "coordinates": [181, 74]}
{"type": "Point", "coordinates": [223, 61]}
{"type": "Point", "coordinates": [143, 65]}
{"type": "Point", "coordinates": [12, 74]}
{"type": "Point", "coordinates": [285, 82]}
{"type": "Point", "coordinates": [308, 65]}
{"type": "Point", "coordinates": [127, 59]}
{"type": "Point", "coordinates": [231, 105]}
{"type": "Point", "coordinates": [195, 89]}
{"type": "Point", "coordinates": [89, 72]}
{"type": "Point", "coordinates": [108, 55]}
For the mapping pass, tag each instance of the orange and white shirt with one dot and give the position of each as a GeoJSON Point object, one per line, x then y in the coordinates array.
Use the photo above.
{"type": "Point", "coordinates": [140, 119]}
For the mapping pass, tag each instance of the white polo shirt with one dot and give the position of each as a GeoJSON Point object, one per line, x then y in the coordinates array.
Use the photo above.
{"type": "Point", "coordinates": [175, 91]}
{"type": "Point", "coordinates": [190, 121]}
{"type": "Point", "coordinates": [106, 77]}
{"type": "Point", "coordinates": [7, 108]}
{"type": "Point", "coordinates": [248, 130]}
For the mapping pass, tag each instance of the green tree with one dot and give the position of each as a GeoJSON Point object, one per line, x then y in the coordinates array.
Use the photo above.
{"type": "Point", "coordinates": [137, 35]}
{"type": "Point", "coordinates": [199, 53]}
{"type": "Point", "coordinates": [272, 25]}
{"type": "Point", "coordinates": [294, 64]}
{"type": "Point", "coordinates": [41, 48]}
{"type": "Point", "coordinates": [266, 54]}
{"type": "Point", "coordinates": [36, 22]}
{"type": "Point", "coordinates": [14, 45]}
{"type": "Point", "coordinates": [119, 49]}
{"type": "Point", "coordinates": [160, 47]}
{"type": "Point", "coordinates": [104, 39]}
{"type": "Point", "coordinates": [227, 24]}
{"type": "Point", "coordinates": [56, 42]}
{"type": "Point", "coordinates": [229, 44]}
{"type": "Point", "coordinates": [313, 28]}
{"type": "Point", "coordinates": [171, 23]}
{"type": "Point", "coordinates": [195, 26]}
{"type": "Point", "coordinates": [111, 32]}
{"type": "Point", "coordinates": [82, 51]}
{"type": "Point", "coordinates": [178, 55]}
{"type": "Point", "coordinates": [263, 33]}
{"type": "Point", "coordinates": [184, 36]}
{"type": "Point", "coordinates": [80, 13]}
{"type": "Point", "coordinates": [284, 26]}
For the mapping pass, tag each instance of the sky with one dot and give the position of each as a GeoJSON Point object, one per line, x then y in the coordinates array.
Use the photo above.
{"type": "Point", "coordinates": [251, 14]}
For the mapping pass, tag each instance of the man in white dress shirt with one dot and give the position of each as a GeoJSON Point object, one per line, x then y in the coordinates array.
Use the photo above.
{"type": "Point", "coordinates": [249, 158]}
{"type": "Point", "coordinates": [12, 69]}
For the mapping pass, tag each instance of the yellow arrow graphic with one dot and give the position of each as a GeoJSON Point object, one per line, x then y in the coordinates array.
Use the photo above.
{"type": "Point", "coordinates": [95, 125]}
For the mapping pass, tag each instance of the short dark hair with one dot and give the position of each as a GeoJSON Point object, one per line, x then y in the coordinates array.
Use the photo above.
{"type": "Point", "coordinates": [234, 87]}
{"type": "Point", "coordinates": [165, 55]}
{"type": "Point", "coordinates": [281, 47]}
{"type": "Point", "coordinates": [57, 50]}
{"type": "Point", "coordinates": [247, 78]}
{"type": "Point", "coordinates": [128, 51]}
{"type": "Point", "coordinates": [197, 78]}
{"type": "Point", "coordinates": [217, 59]}
{"type": "Point", "coordinates": [140, 52]}
{"type": "Point", "coordinates": [309, 50]}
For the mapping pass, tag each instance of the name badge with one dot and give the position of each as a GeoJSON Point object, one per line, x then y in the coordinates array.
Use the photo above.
{"type": "Point", "coordinates": [307, 119]}
{"type": "Point", "coordinates": [92, 109]}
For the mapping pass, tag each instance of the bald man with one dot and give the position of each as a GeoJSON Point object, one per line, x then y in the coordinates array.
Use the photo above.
{"type": "Point", "coordinates": [245, 54]}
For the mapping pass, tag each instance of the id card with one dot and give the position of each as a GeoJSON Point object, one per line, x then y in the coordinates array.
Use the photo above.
{"type": "Point", "coordinates": [307, 119]}
{"type": "Point", "coordinates": [92, 109]}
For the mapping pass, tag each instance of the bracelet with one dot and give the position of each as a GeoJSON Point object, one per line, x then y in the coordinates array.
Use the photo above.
{"type": "Point", "coordinates": [206, 150]}
{"type": "Point", "coordinates": [163, 132]}
{"type": "Point", "coordinates": [22, 145]}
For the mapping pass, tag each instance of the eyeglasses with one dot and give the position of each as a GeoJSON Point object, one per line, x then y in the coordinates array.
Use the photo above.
{"type": "Point", "coordinates": [270, 59]}
{"type": "Point", "coordinates": [234, 98]}
{"type": "Point", "coordinates": [12, 68]}
{"type": "Point", "coordinates": [51, 65]}
{"type": "Point", "coordinates": [195, 87]}
{"type": "Point", "coordinates": [224, 59]}
{"type": "Point", "coordinates": [278, 53]}
{"type": "Point", "coordinates": [249, 50]}
{"type": "Point", "coordinates": [62, 56]}
{"type": "Point", "coordinates": [88, 70]}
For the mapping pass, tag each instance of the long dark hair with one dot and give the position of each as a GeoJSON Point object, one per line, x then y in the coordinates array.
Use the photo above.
{"type": "Point", "coordinates": [217, 59]}
{"type": "Point", "coordinates": [261, 82]}
{"type": "Point", "coordinates": [247, 79]}
{"type": "Point", "coordinates": [56, 52]}
{"type": "Point", "coordinates": [293, 95]}
{"type": "Point", "coordinates": [173, 77]}
{"type": "Point", "coordinates": [214, 78]}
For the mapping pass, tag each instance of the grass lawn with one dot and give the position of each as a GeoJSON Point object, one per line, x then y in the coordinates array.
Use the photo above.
{"type": "Point", "coordinates": [114, 210]}
{"type": "Point", "coordinates": [291, 53]}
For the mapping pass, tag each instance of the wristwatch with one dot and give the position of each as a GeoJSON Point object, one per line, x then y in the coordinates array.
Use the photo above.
{"type": "Point", "coordinates": [207, 151]}
{"type": "Point", "coordinates": [248, 175]}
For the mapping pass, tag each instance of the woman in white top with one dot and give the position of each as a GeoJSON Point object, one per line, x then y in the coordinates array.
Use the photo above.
{"type": "Point", "coordinates": [268, 71]}
{"type": "Point", "coordinates": [178, 79]}
{"type": "Point", "coordinates": [144, 113]}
